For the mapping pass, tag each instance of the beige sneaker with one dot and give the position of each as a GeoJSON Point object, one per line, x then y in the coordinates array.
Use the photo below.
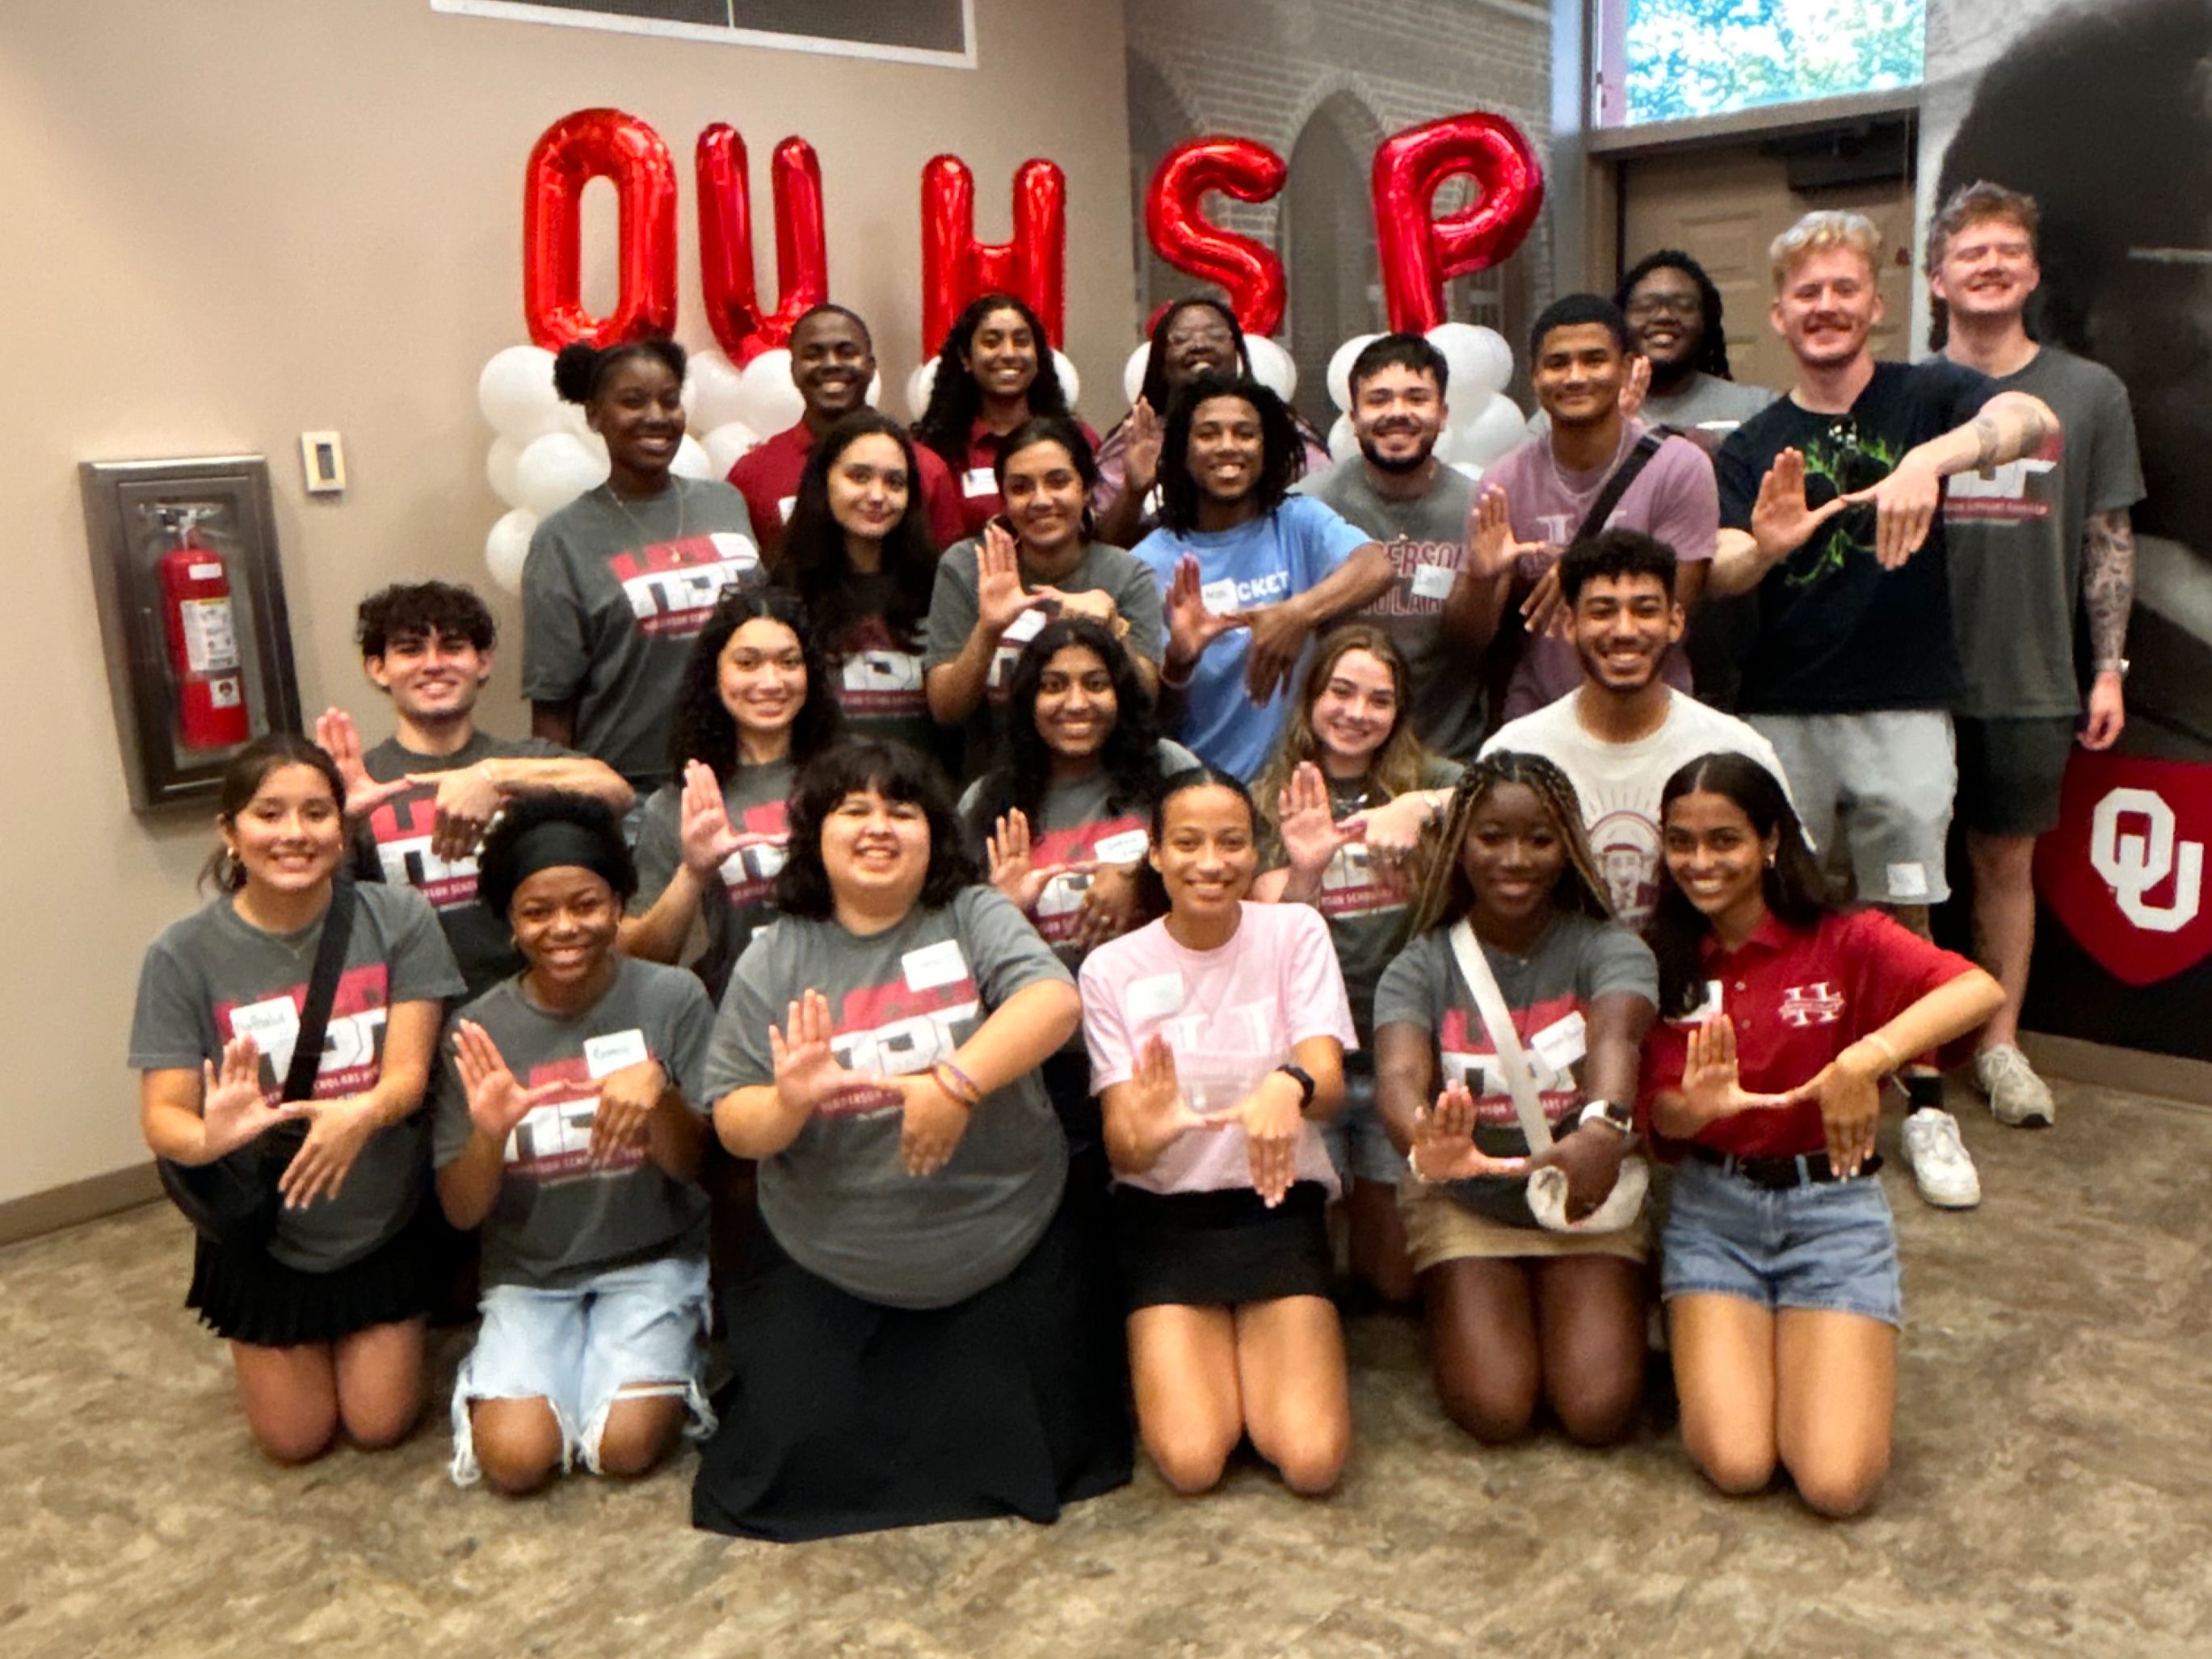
{"type": "Point", "coordinates": [2016, 1094]}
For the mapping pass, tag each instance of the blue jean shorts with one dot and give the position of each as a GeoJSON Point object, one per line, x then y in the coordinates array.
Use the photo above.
{"type": "Point", "coordinates": [578, 1347]}
{"type": "Point", "coordinates": [1829, 1246]}
{"type": "Point", "coordinates": [1357, 1143]}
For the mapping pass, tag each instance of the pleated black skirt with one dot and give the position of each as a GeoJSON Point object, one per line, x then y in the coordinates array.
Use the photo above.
{"type": "Point", "coordinates": [246, 1295]}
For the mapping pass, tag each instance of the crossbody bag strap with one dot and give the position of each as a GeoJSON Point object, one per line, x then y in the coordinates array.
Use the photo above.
{"type": "Point", "coordinates": [1498, 1021]}
{"type": "Point", "coordinates": [1631, 468]}
{"type": "Point", "coordinates": [322, 990]}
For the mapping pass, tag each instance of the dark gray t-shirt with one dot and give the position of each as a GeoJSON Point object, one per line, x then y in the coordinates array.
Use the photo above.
{"type": "Point", "coordinates": [1578, 960]}
{"type": "Point", "coordinates": [483, 945]}
{"type": "Point", "coordinates": [953, 609]}
{"type": "Point", "coordinates": [757, 799]}
{"type": "Point", "coordinates": [214, 976]}
{"type": "Point", "coordinates": [2015, 537]}
{"type": "Point", "coordinates": [560, 1218]}
{"type": "Point", "coordinates": [836, 1198]}
{"type": "Point", "coordinates": [1708, 410]}
{"type": "Point", "coordinates": [1426, 540]}
{"type": "Point", "coordinates": [613, 591]}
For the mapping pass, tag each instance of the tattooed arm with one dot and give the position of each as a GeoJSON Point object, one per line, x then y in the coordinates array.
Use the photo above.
{"type": "Point", "coordinates": [2010, 425]}
{"type": "Point", "coordinates": [2108, 591]}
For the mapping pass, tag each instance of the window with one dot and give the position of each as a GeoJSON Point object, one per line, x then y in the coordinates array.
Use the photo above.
{"type": "Point", "coordinates": [940, 31]}
{"type": "Point", "coordinates": [1671, 60]}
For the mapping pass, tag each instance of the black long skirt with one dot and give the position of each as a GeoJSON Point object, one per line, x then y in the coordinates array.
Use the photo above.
{"type": "Point", "coordinates": [845, 1416]}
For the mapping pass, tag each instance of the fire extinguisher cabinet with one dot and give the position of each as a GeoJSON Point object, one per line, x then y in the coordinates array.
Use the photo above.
{"type": "Point", "coordinates": [192, 617]}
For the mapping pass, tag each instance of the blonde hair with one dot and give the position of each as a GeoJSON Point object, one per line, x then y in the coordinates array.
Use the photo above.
{"type": "Point", "coordinates": [1823, 232]}
{"type": "Point", "coordinates": [1396, 767]}
{"type": "Point", "coordinates": [1970, 204]}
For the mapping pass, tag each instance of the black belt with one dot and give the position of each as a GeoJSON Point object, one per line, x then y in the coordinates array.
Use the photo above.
{"type": "Point", "coordinates": [1778, 1174]}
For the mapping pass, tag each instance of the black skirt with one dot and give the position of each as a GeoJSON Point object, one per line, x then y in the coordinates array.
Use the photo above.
{"type": "Point", "coordinates": [246, 1295]}
{"type": "Point", "coordinates": [844, 1416]}
{"type": "Point", "coordinates": [1221, 1248]}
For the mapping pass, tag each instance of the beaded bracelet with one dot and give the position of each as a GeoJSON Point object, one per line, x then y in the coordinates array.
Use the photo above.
{"type": "Point", "coordinates": [956, 1082]}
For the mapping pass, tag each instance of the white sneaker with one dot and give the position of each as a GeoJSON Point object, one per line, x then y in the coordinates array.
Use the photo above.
{"type": "Point", "coordinates": [1941, 1168]}
{"type": "Point", "coordinates": [2017, 1095]}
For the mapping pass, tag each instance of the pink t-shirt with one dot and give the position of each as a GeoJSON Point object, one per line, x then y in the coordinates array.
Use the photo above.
{"type": "Point", "coordinates": [1674, 500]}
{"type": "Point", "coordinates": [1231, 1016]}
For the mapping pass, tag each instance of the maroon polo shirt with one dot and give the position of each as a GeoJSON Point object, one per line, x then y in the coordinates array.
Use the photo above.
{"type": "Point", "coordinates": [766, 475]}
{"type": "Point", "coordinates": [977, 486]}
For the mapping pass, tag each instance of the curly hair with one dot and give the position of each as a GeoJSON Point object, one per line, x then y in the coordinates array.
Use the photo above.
{"type": "Point", "coordinates": [1282, 454]}
{"type": "Point", "coordinates": [1130, 757]}
{"type": "Point", "coordinates": [897, 773]}
{"type": "Point", "coordinates": [955, 399]}
{"type": "Point", "coordinates": [419, 610]}
{"type": "Point", "coordinates": [811, 561]}
{"type": "Point", "coordinates": [702, 727]}
{"type": "Point", "coordinates": [581, 368]}
{"type": "Point", "coordinates": [1395, 767]}
{"type": "Point", "coordinates": [497, 873]}
{"type": "Point", "coordinates": [1712, 345]}
{"type": "Point", "coordinates": [1446, 895]}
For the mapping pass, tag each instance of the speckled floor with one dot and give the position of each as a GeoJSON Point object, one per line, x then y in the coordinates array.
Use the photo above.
{"type": "Point", "coordinates": [2052, 1491]}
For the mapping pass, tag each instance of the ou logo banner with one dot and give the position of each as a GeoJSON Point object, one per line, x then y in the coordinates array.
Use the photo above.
{"type": "Point", "coordinates": [2124, 870]}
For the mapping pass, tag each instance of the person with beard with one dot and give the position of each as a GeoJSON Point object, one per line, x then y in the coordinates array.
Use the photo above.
{"type": "Point", "coordinates": [1549, 490]}
{"type": "Point", "coordinates": [1833, 502]}
{"type": "Point", "coordinates": [1438, 612]}
{"type": "Point", "coordinates": [833, 359]}
{"type": "Point", "coordinates": [1624, 732]}
{"type": "Point", "coordinates": [2030, 545]}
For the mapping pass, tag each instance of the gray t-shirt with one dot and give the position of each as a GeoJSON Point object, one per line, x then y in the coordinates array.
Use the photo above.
{"type": "Point", "coordinates": [1426, 540]}
{"type": "Point", "coordinates": [1549, 991]}
{"type": "Point", "coordinates": [483, 945]}
{"type": "Point", "coordinates": [213, 976]}
{"type": "Point", "coordinates": [953, 610]}
{"type": "Point", "coordinates": [561, 1219]}
{"type": "Point", "coordinates": [1715, 406]}
{"type": "Point", "coordinates": [757, 800]}
{"type": "Point", "coordinates": [2015, 534]}
{"type": "Point", "coordinates": [836, 1198]}
{"type": "Point", "coordinates": [880, 688]}
{"type": "Point", "coordinates": [613, 592]}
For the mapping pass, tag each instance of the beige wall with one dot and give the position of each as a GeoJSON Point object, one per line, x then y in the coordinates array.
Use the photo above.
{"type": "Point", "coordinates": [229, 223]}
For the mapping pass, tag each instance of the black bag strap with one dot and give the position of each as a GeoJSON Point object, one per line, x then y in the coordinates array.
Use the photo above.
{"type": "Point", "coordinates": [322, 991]}
{"type": "Point", "coordinates": [1623, 476]}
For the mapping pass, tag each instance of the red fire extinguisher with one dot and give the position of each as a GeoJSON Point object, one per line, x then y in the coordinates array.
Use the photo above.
{"type": "Point", "coordinates": [196, 610]}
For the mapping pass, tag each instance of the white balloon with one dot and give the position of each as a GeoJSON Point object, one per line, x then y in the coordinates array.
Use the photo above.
{"type": "Point", "coordinates": [499, 469]}
{"type": "Point", "coordinates": [507, 549]}
{"type": "Point", "coordinates": [1339, 368]}
{"type": "Point", "coordinates": [725, 443]}
{"type": "Point", "coordinates": [918, 385]}
{"type": "Point", "coordinates": [713, 391]}
{"type": "Point", "coordinates": [1271, 366]}
{"type": "Point", "coordinates": [1497, 374]}
{"type": "Point", "coordinates": [515, 392]}
{"type": "Point", "coordinates": [692, 461]}
{"type": "Point", "coordinates": [1468, 470]}
{"type": "Point", "coordinates": [875, 388]}
{"type": "Point", "coordinates": [573, 419]}
{"type": "Point", "coordinates": [1070, 383]}
{"type": "Point", "coordinates": [1342, 445]}
{"type": "Point", "coordinates": [1133, 372]}
{"type": "Point", "coordinates": [768, 401]}
{"type": "Point", "coordinates": [1498, 427]}
{"type": "Point", "coordinates": [1480, 362]}
{"type": "Point", "coordinates": [555, 469]}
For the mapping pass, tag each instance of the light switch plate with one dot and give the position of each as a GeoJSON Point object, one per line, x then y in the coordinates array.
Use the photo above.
{"type": "Point", "coordinates": [323, 459]}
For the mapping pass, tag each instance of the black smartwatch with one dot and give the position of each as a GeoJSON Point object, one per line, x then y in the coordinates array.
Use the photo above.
{"type": "Point", "coordinates": [1303, 1078]}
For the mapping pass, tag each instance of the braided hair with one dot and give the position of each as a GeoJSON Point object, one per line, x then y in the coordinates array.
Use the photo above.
{"type": "Point", "coordinates": [1446, 895]}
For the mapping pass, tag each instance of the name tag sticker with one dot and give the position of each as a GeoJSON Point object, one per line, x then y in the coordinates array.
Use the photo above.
{"type": "Point", "coordinates": [1124, 848]}
{"type": "Point", "coordinates": [1908, 881]}
{"type": "Point", "coordinates": [979, 481]}
{"type": "Point", "coordinates": [783, 507]}
{"type": "Point", "coordinates": [274, 1025]}
{"type": "Point", "coordinates": [1706, 1008]}
{"type": "Point", "coordinates": [934, 965]}
{"type": "Point", "coordinates": [605, 1055]}
{"type": "Point", "coordinates": [1027, 626]}
{"type": "Point", "coordinates": [1562, 1043]}
{"type": "Point", "coordinates": [1154, 997]}
{"type": "Point", "coordinates": [1220, 597]}
{"type": "Point", "coordinates": [1433, 582]}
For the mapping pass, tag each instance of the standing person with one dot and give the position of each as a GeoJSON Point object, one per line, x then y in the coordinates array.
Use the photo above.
{"type": "Point", "coordinates": [857, 553]}
{"type": "Point", "coordinates": [1439, 611]}
{"type": "Point", "coordinates": [833, 362]}
{"type": "Point", "coordinates": [1217, 1037]}
{"type": "Point", "coordinates": [994, 591]}
{"type": "Point", "coordinates": [431, 788]}
{"type": "Point", "coordinates": [1519, 1314]}
{"type": "Point", "coordinates": [757, 702]}
{"type": "Point", "coordinates": [1353, 791]}
{"type": "Point", "coordinates": [2030, 545]}
{"type": "Point", "coordinates": [619, 581]}
{"type": "Point", "coordinates": [1249, 570]}
{"type": "Point", "coordinates": [1193, 337]}
{"type": "Point", "coordinates": [1625, 732]}
{"type": "Point", "coordinates": [1672, 311]}
{"type": "Point", "coordinates": [1594, 468]}
{"type": "Point", "coordinates": [994, 371]}
{"type": "Point", "coordinates": [909, 1341]}
{"type": "Point", "coordinates": [565, 1130]}
{"type": "Point", "coordinates": [1781, 1017]}
{"type": "Point", "coordinates": [1831, 499]}
{"type": "Point", "coordinates": [324, 1318]}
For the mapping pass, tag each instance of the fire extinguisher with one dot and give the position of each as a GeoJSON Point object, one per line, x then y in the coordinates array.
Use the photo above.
{"type": "Point", "coordinates": [196, 611]}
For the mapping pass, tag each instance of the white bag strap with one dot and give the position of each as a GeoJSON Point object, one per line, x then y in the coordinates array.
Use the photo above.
{"type": "Point", "coordinates": [1498, 1021]}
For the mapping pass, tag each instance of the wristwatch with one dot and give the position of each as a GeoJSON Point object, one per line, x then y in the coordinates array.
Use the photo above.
{"type": "Point", "coordinates": [2113, 666]}
{"type": "Point", "coordinates": [1303, 1078]}
{"type": "Point", "coordinates": [1611, 1113]}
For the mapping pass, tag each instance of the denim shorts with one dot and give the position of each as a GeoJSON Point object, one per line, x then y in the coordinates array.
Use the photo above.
{"type": "Point", "coordinates": [1829, 1246]}
{"type": "Point", "coordinates": [1357, 1143]}
{"type": "Point", "coordinates": [577, 1347]}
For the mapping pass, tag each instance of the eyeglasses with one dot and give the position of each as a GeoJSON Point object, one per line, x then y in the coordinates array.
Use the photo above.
{"type": "Point", "coordinates": [1648, 305]}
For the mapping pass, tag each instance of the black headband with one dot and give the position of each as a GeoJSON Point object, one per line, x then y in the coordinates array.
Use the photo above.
{"type": "Point", "coordinates": [557, 843]}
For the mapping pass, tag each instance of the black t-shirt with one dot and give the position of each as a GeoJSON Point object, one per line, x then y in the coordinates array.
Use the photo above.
{"type": "Point", "coordinates": [1838, 633]}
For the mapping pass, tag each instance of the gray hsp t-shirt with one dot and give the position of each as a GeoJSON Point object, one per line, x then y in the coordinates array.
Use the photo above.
{"type": "Point", "coordinates": [214, 976]}
{"type": "Point", "coordinates": [836, 1198]}
{"type": "Point", "coordinates": [560, 1218]}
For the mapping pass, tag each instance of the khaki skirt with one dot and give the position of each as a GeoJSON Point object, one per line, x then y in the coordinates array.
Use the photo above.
{"type": "Point", "coordinates": [1441, 1229]}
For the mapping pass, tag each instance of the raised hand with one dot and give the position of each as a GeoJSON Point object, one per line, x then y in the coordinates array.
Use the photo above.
{"type": "Point", "coordinates": [1007, 848]}
{"type": "Point", "coordinates": [1109, 905]}
{"type": "Point", "coordinates": [1710, 1083]}
{"type": "Point", "coordinates": [1545, 610]}
{"type": "Point", "coordinates": [1092, 602]}
{"type": "Point", "coordinates": [1635, 385]}
{"type": "Point", "coordinates": [998, 595]}
{"type": "Point", "coordinates": [1781, 523]}
{"type": "Point", "coordinates": [1490, 550]}
{"type": "Point", "coordinates": [704, 829]}
{"type": "Point", "coordinates": [628, 1099]}
{"type": "Point", "coordinates": [806, 1072]}
{"type": "Point", "coordinates": [233, 1109]}
{"type": "Point", "coordinates": [1304, 821]}
{"type": "Point", "coordinates": [467, 802]}
{"type": "Point", "coordinates": [1191, 626]}
{"type": "Point", "coordinates": [1279, 633]}
{"type": "Point", "coordinates": [1140, 448]}
{"type": "Point", "coordinates": [340, 739]}
{"type": "Point", "coordinates": [1444, 1141]}
{"type": "Point", "coordinates": [1157, 1112]}
{"type": "Point", "coordinates": [1905, 507]}
{"type": "Point", "coordinates": [496, 1101]}
{"type": "Point", "coordinates": [1273, 1126]}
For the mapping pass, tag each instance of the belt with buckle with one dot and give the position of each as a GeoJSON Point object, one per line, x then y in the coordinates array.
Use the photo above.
{"type": "Point", "coordinates": [1778, 1174]}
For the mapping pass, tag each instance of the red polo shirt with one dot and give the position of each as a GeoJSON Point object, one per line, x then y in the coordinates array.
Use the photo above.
{"type": "Point", "coordinates": [766, 475]}
{"type": "Point", "coordinates": [1797, 999]}
{"type": "Point", "coordinates": [978, 482]}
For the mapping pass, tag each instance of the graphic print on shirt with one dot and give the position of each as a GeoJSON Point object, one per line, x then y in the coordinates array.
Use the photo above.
{"type": "Point", "coordinates": [1624, 844]}
{"type": "Point", "coordinates": [1425, 573]}
{"type": "Point", "coordinates": [1848, 461]}
{"type": "Point", "coordinates": [553, 1144]}
{"type": "Point", "coordinates": [401, 827]}
{"type": "Point", "coordinates": [1059, 907]}
{"type": "Point", "coordinates": [1465, 1054]}
{"type": "Point", "coordinates": [1817, 1004]}
{"type": "Point", "coordinates": [1020, 632]}
{"type": "Point", "coordinates": [877, 675]}
{"type": "Point", "coordinates": [353, 1046]}
{"type": "Point", "coordinates": [894, 1030]}
{"type": "Point", "coordinates": [672, 585]}
{"type": "Point", "coordinates": [748, 874]}
{"type": "Point", "coordinates": [2006, 494]}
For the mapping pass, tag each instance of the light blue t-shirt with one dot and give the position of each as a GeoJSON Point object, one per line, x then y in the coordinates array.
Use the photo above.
{"type": "Point", "coordinates": [1263, 562]}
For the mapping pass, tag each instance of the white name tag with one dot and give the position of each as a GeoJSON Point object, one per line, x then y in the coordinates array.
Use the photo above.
{"type": "Point", "coordinates": [274, 1025]}
{"type": "Point", "coordinates": [783, 507]}
{"type": "Point", "coordinates": [1706, 1009]}
{"type": "Point", "coordinates": [934, 965]}
{"type": "Point", "coordinates": [1220, 597]}
{"type": "Point", "coordinates": [605, 1055]}
{"type": "Point", "coordinates": [1908, 881]}
{"type": "Point", "coordinates": [1562, 1043]}
{"type": "Point", "coordinates": [1124, 848]}
{"type": "Point", "coordinates": [979, 481]}
{"type": "Point", "coordinates": [1027, 626]}
{"type": "Point", "coordinates": [1154, 997]}
{"type": "Point", "coordinates": [1433, 582]}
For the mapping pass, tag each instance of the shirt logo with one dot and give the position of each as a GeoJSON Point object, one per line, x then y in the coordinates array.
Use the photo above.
{"type": "Point", "coordinates": [893, 1030]}
{"type": "Point", "coordinates": [402, 828]}
{"type": "Point", "coordinates": [748, 873]}
{"type": "Point", "coordinates": [2003, 492]}
{"type": "Point", "coordinates": [2133, 863]}
{"type": "Point", "coordinates": [553, 1143]}
{"type": "Point", "coordinates": [352, 1057]}
{"type": "Point", "coordinates": [1817, 1004]}
{"type": "Point", "coordinates": [672, 586]}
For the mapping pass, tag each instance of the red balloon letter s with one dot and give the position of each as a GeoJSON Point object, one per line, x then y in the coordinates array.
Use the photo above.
{"type": "Point", "coordinates": [1175, 220]}
{"type": "Point", "coordinates": [1418, 253]}
{"type": "Point", "coordinates": [956, 268]}
{"type": "Point", "coordinates": [726, 241]}
{"type": "Point", "coordinates": [598, 143]}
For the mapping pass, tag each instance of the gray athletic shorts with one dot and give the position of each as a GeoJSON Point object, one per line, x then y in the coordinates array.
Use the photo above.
{"type": "Point", "coordinates": [1876, 788]}
{"type": "Point", "coordinates": [2010, 772]}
